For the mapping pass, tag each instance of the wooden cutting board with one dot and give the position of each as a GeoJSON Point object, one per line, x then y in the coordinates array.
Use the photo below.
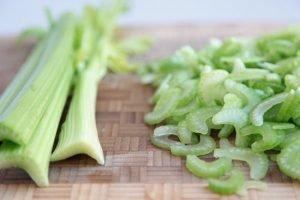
{"type": "Point", "coordinates": [134, 168]}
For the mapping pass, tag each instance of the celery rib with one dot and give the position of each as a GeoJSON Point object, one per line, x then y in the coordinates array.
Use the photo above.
{"type": "Point", "coordinates": [31, 157]}
{"type": "Point", "coordinates": [34, 100]}
{"type": "Point", "coordinates": [79, 133]}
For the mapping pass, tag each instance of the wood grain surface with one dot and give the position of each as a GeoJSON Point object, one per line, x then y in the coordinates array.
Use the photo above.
{"type": "Point", "coordinates": [134, 169]}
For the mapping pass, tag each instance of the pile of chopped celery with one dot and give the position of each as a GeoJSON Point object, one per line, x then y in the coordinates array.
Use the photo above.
{"type": "Point", "coordinates": [244, 91]}
{"type": "Point", "coordinates": [70, 60]}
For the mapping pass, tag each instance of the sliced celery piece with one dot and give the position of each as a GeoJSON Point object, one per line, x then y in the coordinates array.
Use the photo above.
{"type": "Point", "coordinates": [189, 91]}
{"type": "Point", "coordinates": [233, 184]}
{"type": "Point", "coordinates": [248, 96]}
{"type": "Point", "coordinates": [163, 142]}
{"type": "Point", "coordinates": [183, 133]}
{"type": "Point", "coordinates": [34, 157]}
{"type": "Point", "coordinates": [166, 104]}
{"type": "Point", "coordinates": [270, 137]}
{"type": "Point", "coordinates": [289, 160]}
{"type": "Point", "coordinates": [289, 107]}
{"type": "Point", "coordinates": [291, 135]}
{"type": "Point", "coordinates": [205, 169]}
{"type": "Point", "coordinates": [183, 110]}
{"type": "Point", "coordinates": [258, 162]}
{"type": "Point", "coordinates": [205, 146]}
{"type": "Point", "coordinates": [34, 98]}
{"type": "Point", "coordinates": [197, 120]}
{"type": "Point", "coordinates": [165, 130]}
{"type": "Point", "coordinates": [79, 133]}
{"type": "Point", "coordinates": [256, 116]}
{"type": "Point", "coordinates": [211, 87]}
{"type": "Point", "coordinates": [232, 113]}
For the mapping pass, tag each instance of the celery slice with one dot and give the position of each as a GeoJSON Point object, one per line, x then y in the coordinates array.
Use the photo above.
{"type": "Point", "coordinates": [258, 162]}
{"type": "Point", "coordinates": [211, 88]}
{"type": "Point", "coordinates": [197, 120]}
{"type": "Point", "coordinates": [205, 169]}
{"type": "Point", "coordinates": [163, 142]}
{"type": "Point", "coordinates": [183, 133]}
{"type": "Point", "coordinates": [183, 110]}
{"type": "Point", "coordinates": [289, 159]}
{"type": "Point", "coordinates": [248, 96]}
{"type": "Point", "coordinates": [205, 146]}
{"type": "Point", "coordinates": [232, 113]}
{"type": "Point", "coordinates": [233, 184]}
{"type": "Point", "coordinates": [270, 137]}
{"type": "Point", "coordinates": [256, 116]}
{"type": "Point", "coordinates": [34, 97]}
{"type": "Point", "coordinates": [289, 107]}
{"type": "Point", "coordinates": [166, 104]}
{"type": "Point", "coordinates": [31, 157]}
{"type": "Point", "coordinates": [165, 130]}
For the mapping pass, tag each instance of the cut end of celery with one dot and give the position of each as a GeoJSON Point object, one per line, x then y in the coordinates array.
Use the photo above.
{"type": "Point", "coordinates": [65, 151]}
{"type": "Point", "coordinates": [36, 171]}
{"type": "Point", "coordinates": [7, 133]}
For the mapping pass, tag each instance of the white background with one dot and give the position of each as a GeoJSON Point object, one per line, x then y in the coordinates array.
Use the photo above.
{"type": "Point", "coordinates": [18, 14]}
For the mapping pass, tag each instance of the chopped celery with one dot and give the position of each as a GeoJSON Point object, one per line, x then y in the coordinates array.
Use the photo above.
{"type": "Point", "coordinates": [233, 184]}
{"type": "Point", "coordinates": [163, 142]}
{"type": "Point", "coordinates": [289, 159]}
{"type": "Point", "coordinates": [184, 134]}
{"type": "Point", "coordinates": [205, 146]}
{"type": "Point", "coordinates": [211, 88]}
{"type": "Point", "coordinates": [270, 137]}
{"type": "Point", "coordinates": [164, 107]}
{"type": "Point", "coordinates": [165, 130]}
{"type": "Point", "coordinates": [197, 121]}
{"type": "Point", "coordinates": [258, 162]}
{"type": "Point", "coordinates": [256, 116]}
{"type": "Point", "coordinates": [205, 169]}
{"type": "Point", "coordinates": [246, 86]}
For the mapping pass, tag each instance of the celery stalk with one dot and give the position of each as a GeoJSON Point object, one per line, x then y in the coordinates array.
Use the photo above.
{"type": "Point", "coordinates": [79, 133]}
{"type": "Point", "coordinates": [34, 157]}
{"type": "Point", "coordinates": [25, 72]}
{"type": "Point", "coordinates": [34, 98]}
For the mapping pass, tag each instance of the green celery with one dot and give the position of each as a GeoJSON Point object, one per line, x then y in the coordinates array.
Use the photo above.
{"type": "Point", "coordinates": [34, 98]}
{"type": "Point", "coordinates": [79, 134]}
{"type": "Point", "coordinates": [34, 157]}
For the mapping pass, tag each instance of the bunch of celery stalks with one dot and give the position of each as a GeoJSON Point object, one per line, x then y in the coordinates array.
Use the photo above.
{"type": "Point", "coordinates": [69, 60]}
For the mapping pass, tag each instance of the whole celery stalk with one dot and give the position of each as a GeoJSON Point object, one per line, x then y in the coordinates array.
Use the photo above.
{"type": "Point", "coordinates": [79, 133]}
{"type": "Point", "coordinates": [23, 113]}
{"type": "Point", "coordinates": [34, 156]}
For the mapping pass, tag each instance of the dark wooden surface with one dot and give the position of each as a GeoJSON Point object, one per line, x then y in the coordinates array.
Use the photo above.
{"type": "Point", "coordinates": [134, 168]}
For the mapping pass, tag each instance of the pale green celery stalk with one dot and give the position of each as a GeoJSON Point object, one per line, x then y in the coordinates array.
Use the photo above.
{"type": "Point", "coordinates": [23, 75]}
{"type": "Point", "coordinates": [34, 98]}
{"type": "Point", "coordinates": [79, 133]}
{"type": "Point", "coordinates": [34, 157]}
